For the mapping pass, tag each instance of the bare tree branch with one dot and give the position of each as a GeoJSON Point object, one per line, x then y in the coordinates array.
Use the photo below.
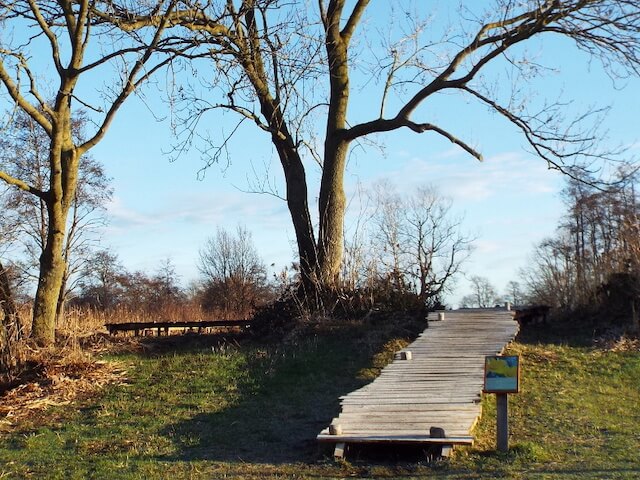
{"type": "Point", "coordinates": [21, 185]}
{"type": "Point", "coordinates": [354, 19]}
{"type": "Point", "coordinates": [53, 41]}
{"type": "Point", "coordinates": [14, 92]}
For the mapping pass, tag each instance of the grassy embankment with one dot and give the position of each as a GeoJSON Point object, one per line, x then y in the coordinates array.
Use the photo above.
{"type": "Point", "coordinates": [205, 409]}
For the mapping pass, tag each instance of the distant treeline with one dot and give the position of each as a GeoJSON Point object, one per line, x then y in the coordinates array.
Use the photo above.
{"type": "Point", "coordinates": [590, 268]}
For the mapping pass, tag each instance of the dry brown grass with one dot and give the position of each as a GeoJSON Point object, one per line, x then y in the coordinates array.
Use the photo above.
{"type": "Point", "coordinates": [55, 378]}
{"type": "Point", "coordinates": [58, 375]}
{"type": "Point", "coordinates": [619, 343]}
{"type": "Point", "coordinates": [87, 320]}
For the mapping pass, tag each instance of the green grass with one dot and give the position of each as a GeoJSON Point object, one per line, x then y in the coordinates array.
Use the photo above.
{"type": "Point", "coordinates": [576, 417]}
{"type": "Point", "coordinates": [253, 410]}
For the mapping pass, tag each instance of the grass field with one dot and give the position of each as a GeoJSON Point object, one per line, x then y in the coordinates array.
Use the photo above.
{"type": "Point", "coordinates": [214, 408]}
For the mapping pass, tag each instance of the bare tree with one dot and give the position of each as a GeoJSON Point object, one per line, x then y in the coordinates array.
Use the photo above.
{"type": "Point", "coordinates": [594, 250]}
{"type": "Point", "coordinates": [483, 293]}
{"type": "Point", "coordinates": [71, 43]}
{"type": "Point", "coordinates": [24, 154]}
{"type": "Point", "coordinates": [468, 301]}
{"type": "Point", "coordinates": [551, 277]}
{"type": "Point", "coordinates": [359, 266]}
{"type": "Point", "coordinates": [10, 329]}
{"type": "Point", "coordinates": [233, 272]}
{"type": "Point", "coordinates": [418, 240]}
{"type": "Point", "coordinates": [269, 57]}
{"type": "Point", "coordinates": [108, 287]}
{"type": "Point", "coordinates": [435, 241]}
{"type": "Point", "coordinates": [515, 293]}
{"type": "Point", "coordinates": [101, 282]}
{"type": "Point", "coordinates": [169, 290]}
{"type": "Point", "coordinates": [388, 234]}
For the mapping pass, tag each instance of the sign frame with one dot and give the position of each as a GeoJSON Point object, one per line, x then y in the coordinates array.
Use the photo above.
{"type": "Point", "coordinates": [498, 374]}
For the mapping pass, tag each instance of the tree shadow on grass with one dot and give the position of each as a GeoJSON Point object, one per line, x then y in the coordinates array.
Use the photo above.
{"type": "Point", "coordinates": [557, 333]}
{"type": "Point", "coordinates": [278, 415]}
{"type": "Point", "coordinates": [189, 342]}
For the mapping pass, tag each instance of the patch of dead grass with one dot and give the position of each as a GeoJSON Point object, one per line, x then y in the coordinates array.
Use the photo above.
{"type": "Point", "coordinates": [618, 341]}
{"type": "Point", "coordinates": [52, 379]}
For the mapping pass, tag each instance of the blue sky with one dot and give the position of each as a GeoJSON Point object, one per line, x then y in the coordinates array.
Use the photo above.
{"type": "Point", "coordinates": [510, 201]}
{"type": "Point", "coordinates": [161, 209]}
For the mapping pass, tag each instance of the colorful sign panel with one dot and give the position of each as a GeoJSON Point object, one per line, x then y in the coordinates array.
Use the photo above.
{"type": "Point", "coordinates": [502, 374]}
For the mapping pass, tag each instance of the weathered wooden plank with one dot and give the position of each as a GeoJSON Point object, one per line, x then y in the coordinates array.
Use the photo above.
{"type": "Point", "coordinates": [387, 381]}
{"type": "Point", "coordinates": [417, 387]}
{"type": "Point", "coordinates": [427, 393]}
{"type": "Point", "coordinates": [416, 391]}
{"type": "Point", "coordinates": [410, 385]}
{"type": "Point", "coordinates": [445, 406]}
{"type": "Point", "coordinates": [421, 400]}
{"type": "Point", "coordinates": [348, 423]}
{"type": "Point", "coordinates": [447, 397]}
{"type": "Point", "coordinates": [404, 439]}
{"type": "Point", "coordinates": [404, 421]}
{"type": "Point", "coordinates": [410, 409]}
{"type": "Point", "coordinates": [397, 433]}
{"type": "Point", "coordinates": [435, 413]}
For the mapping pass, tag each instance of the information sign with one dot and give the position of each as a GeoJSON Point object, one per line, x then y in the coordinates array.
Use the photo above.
{"type": "Point", "coordinates": [502, 374]}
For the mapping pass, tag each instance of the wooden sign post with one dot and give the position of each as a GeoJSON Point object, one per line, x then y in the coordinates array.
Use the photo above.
{"type": "Point", "coordinates": [502, 377]}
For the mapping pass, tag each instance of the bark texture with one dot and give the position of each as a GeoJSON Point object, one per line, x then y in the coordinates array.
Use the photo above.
{"type": "Point", "coordinates": [10, 330]}
{"type": "Point", "coordinates": [63, 178]}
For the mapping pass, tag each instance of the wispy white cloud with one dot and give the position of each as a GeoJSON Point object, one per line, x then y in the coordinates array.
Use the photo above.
{"type": "Point", "coordinates": [123, 215]}
{"type": "Point", "coordinates": [144, 233]}
{"type": "Point", "coordinates": [467, 180]}
{"type": "Point", "coordinates": [197, 209]}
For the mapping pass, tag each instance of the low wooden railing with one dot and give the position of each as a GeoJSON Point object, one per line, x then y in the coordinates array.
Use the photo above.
{"type": "Point", "coordinates": [138, 327]}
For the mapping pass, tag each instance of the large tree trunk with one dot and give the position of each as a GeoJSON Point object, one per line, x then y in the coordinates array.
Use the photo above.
{"type": "Point", "coordinates": [332, 200]}
{"type": "Point", "coordinates": [332, 208]}
{"type": "Point", "coordinates": [52, 267]}
{"type": "Point", "coordinates": [63, 181]}
{"type": "Point", "coordinates": [10, 330]}
{"type": "Point", "coordinates": [297, 202]}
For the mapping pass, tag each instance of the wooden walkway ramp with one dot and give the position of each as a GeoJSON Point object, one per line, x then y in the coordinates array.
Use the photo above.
{"type": "Point", "coordinates": [435, 383]}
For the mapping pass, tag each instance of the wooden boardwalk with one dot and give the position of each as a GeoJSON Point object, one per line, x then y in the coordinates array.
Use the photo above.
{"type": "Point", "coordinates": [439, 386]}
{"type": "Point", "coordinates": [162, 326]}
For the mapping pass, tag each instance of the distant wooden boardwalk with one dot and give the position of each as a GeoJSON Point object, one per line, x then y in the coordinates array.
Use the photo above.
{"type": "Point", "coordinates": [197, 325]}
{"type": "Point", "coordinates": [439, 386]}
